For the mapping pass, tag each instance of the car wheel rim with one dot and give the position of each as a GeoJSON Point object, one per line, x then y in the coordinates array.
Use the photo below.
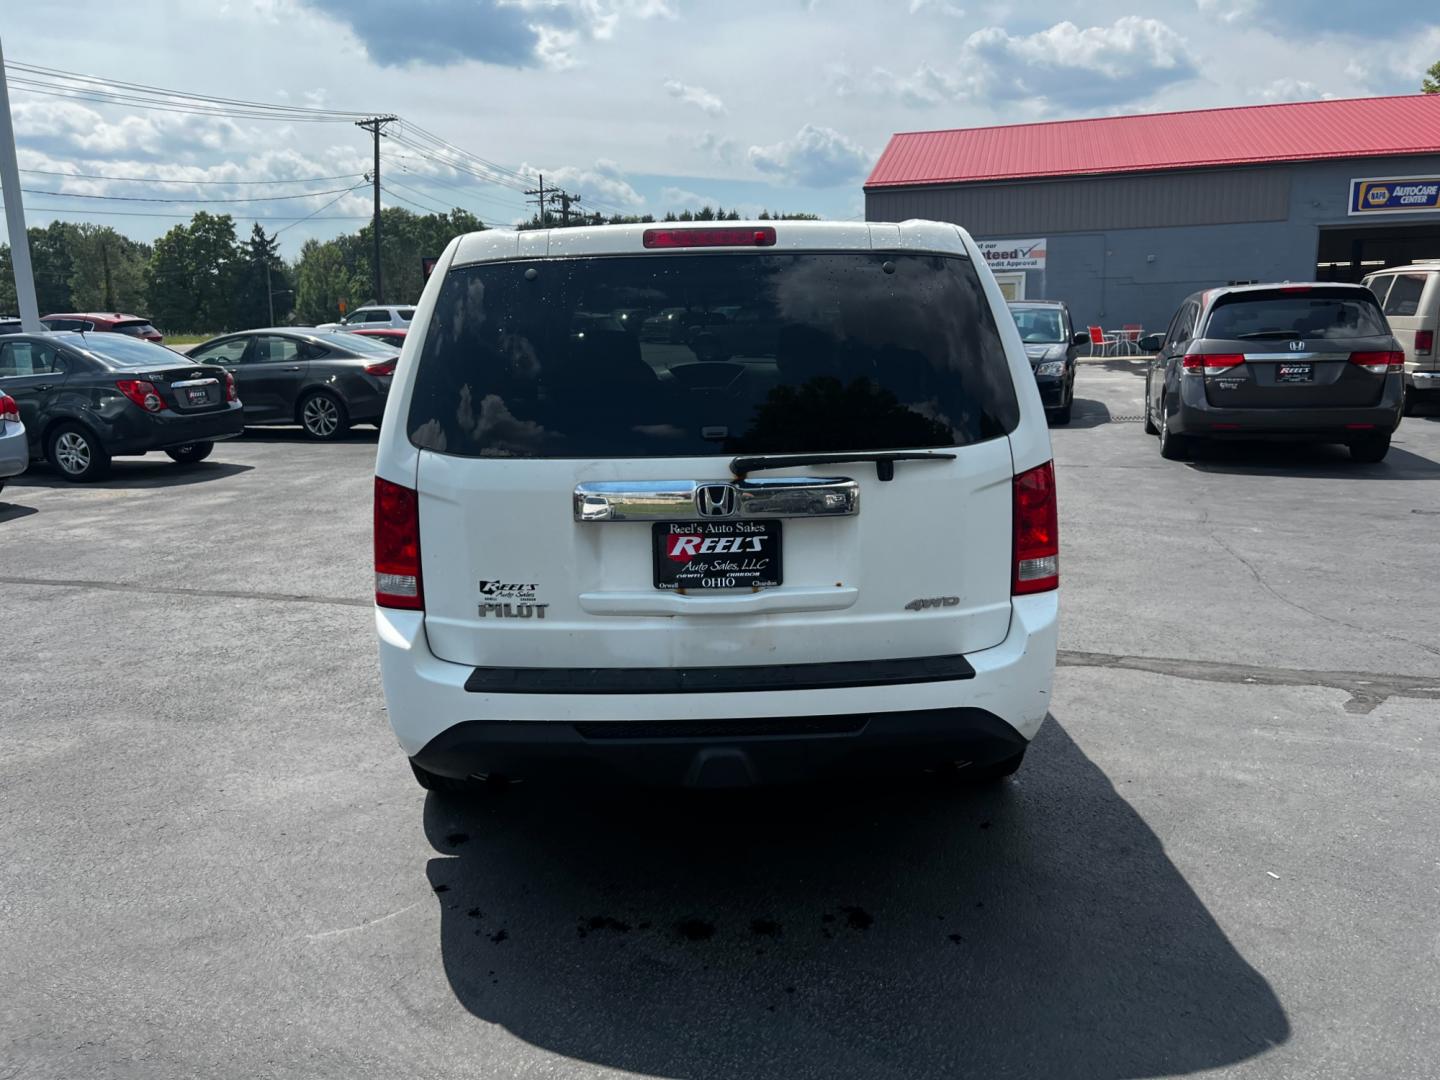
{"type": "Point", "coordinates": [321, 416]}
{"type": "Point", "coordinates": [72, 452]}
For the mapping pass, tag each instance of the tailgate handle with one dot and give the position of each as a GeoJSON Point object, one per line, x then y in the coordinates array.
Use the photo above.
{"type": "Point", "coordinates": [667, 500]}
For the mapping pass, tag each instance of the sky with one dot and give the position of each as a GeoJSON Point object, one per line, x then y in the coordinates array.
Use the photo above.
{"type": "Point", "coordinates": [638, 106]}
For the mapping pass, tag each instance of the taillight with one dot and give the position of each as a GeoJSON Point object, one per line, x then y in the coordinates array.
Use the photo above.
{"type": "Point", "coordinates": [9, 411]}
{"type": "Point", "coordinates": [1379, 363]}
{"type": "Point", "coordinates": [384, 367]}
{"type": "Point", "coordinates": [230, 394]}
{"type": "Point", "coordinates": [1212, 363]}
{"type": "Point", "coordinates": [1424, 342]}
{"type": "Point", "coordinates": [397, 547]}
{"type": "Point", "coordinates": [141, 393]}
{"type": "Point", "coordinates": [688, 238]}
{"type": "Point", "coordinates": [1037, 531]}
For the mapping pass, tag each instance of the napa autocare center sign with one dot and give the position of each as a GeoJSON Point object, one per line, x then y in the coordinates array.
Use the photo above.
{"type": "Point", "coordinates": [1009, 255]}
{"type": "Point", "coordinates": [1394, 195]}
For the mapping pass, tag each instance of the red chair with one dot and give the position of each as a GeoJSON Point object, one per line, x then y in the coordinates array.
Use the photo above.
{"type": "Point", "coordinates": [1101, 340]}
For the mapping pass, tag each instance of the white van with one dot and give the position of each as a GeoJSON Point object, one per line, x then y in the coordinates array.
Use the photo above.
{"type": "Point", "coordinates": [1410, 298]}
{"type": "Point", "coordinates": [811, 530]}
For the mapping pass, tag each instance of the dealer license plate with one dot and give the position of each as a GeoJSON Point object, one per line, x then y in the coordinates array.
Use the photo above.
{"type": "Point", "coordinates": [197, 395]}
{"type": "Point", "coordinates": [1290, 373]}
{"type": "Point", "coordinates": [705, 555]}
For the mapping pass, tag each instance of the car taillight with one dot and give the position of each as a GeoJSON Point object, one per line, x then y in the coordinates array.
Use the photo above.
{"type": "Point", "coordinates": [1213, 363]}
{"type": "Point", "coordinates": [1424, 342]}
{"type": "Point", "coordinates": [9, 411]}
{"type": "Point", "coordinates": [1378, 363]}
{"type": "Point", "coordinates": [141, 393]}
{"type": "Point", "coordinates": [230, 394]}
{"type": "Point", "coordinates": [397, 547]}
{"type": "Point", "coordinates": [1037, 531]}
{"type": "Point", "coordinates": [384, 367]}
{"type": "Point", "coordinates": [688, 238]}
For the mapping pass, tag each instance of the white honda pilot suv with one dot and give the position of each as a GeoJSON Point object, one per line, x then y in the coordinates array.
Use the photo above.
{"type": "Point", "coordinates": [714, 506]}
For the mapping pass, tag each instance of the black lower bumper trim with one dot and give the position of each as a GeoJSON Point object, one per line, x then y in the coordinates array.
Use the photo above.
{"type": "Point", "coordinates": [710, 680]}
{"type": "Point", "coordinates": [721, 752]}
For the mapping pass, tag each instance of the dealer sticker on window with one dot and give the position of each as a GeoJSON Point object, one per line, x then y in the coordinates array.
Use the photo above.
{"type": "Point", "coordinates": [703, 555]}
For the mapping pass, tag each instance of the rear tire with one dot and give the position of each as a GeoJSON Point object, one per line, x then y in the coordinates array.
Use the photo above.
{"type": "Point", "coordinates": [1172, 447]}
{"type": "Point", "coordinates": [323, 416]}
{"type": "Point", "coordinates": [190, 452]}
{"type": "Point", "coordinates": [76, 454]}
{"type": "Point", "coordinates": [1370, 451]}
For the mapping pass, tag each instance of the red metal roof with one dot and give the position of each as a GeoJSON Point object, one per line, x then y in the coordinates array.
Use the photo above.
{"type": "Point", "coordinates": [1295, 131]}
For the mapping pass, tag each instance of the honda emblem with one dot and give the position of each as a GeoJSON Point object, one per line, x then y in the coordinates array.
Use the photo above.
{"type": "Point", "coordinates": [716, 500]}
{"type": "Point", "coordinates": [1297, 346]}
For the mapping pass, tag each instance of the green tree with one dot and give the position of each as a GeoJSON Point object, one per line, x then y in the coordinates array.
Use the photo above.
{"type": "Point", "coordinates": [192, 276]}
{"type": "Point", "coordinates": [1431, 82]}
{"type": "Point", "coordinates": [325, 276]}
{"type": "Point", "coordinates": [261, 277]}
{"type": "Point", "coordinates": [51, 262]}
{"type": "Point", "coordinates": [108, 270]}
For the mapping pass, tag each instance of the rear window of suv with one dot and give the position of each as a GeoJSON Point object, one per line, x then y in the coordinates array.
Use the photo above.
{"type": "Point", "coordinates": [1313, 313]}
{"type": "Point", "coordinates": [693, 355]}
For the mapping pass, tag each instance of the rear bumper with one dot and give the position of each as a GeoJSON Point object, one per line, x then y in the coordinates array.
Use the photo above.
{"type": "Point", "coordinates": [14, 450]}
{"type": "Point", "coordinates": [707, 738]}
{"type": "Point", "coordinates": [1196, 416]}
{"type": "Point", "coordinates": [136, 432]}
{"type": "Point", "coordinates": [1423, 381]}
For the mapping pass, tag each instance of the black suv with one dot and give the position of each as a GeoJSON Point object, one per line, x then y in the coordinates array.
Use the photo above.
{"type": "Point", "coordinates": [87, 398]}
{"type": "Point", "coordinates": [1310, 362]}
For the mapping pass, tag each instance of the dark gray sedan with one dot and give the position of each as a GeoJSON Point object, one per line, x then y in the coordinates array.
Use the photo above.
{"type": "Point", "coordinates": [1305, 361]}
{"type": "Point", "coordinates": [320, 379]}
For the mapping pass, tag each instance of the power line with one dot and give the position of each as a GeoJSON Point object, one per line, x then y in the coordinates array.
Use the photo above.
{"type": "Point", "coordinates": [398, 161]}
{"type": "Point", "coordinates": [57, 83]}
{"type": "Point", "coordinates": [151, 199]}
{"type": "Point", "coordinates": [166, 180]}
{"type": "Point", "coordinates": [69, 210]}
{"type": "Point", "coordinates": [315, 216]}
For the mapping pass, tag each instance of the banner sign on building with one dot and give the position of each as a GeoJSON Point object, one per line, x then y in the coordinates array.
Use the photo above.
{"type": "Point", "coordinates": [1395, 195]}
{"type": "Point", "coordinates": [1013, 254]}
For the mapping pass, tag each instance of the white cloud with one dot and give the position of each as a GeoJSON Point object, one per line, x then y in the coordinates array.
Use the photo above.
{"type": "Point", "coordinates": [815, 157]}
{"type": "Point", "coordinates": [675, 198]}
{"type": "Point", "coordinates": [944, 7]}
{"type": "Point", "coordinates": [1287, 89]}
{"type": "Point", "coordinates": [722, 148]}
{"type": "Point", "coordinates": [702, 99]}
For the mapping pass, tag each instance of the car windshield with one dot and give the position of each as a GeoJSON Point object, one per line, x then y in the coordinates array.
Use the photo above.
{"type": "Point", "coordinates": [758, 354]}
{"type": "Point", "coordinates": [1039, 325]}
{"type": "Point", "coordinates": [123, 351]}
{"type": "Point", "coordinates": [1279, 315]}
{"type": "Point", "coordinates": [359, 344]}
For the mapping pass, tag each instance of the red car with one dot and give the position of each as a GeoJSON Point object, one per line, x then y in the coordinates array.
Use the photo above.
{"type": "Point", "coordinates": [106, 321]}
{"type": "Point", "coordinates": [393, 336]}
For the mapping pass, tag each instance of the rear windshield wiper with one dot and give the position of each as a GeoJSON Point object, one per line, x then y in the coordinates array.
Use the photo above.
{"type": "Point", "coordinates": [884, 461]}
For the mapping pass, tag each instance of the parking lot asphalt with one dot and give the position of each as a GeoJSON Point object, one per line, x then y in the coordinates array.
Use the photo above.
{"type": "Point", "coordinates": [1220, 854]}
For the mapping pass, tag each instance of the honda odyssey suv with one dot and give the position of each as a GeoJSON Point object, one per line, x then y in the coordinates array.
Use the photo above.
{"type": "Point", "coordinates": [824, 546]}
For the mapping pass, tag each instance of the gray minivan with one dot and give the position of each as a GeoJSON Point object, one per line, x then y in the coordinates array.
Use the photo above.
{"type": "Point", "coordinates": [1410, 298]}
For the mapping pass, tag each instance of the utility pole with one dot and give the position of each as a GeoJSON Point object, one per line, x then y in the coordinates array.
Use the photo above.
{"type": "Point", "coordinates": [539, 200]}
{"type": "Point", "coordinates": [375, 125]}
{"type": "Point", "coordinates": [15, 215]}
{"type": "Point", "coordinates": [565, 199]}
